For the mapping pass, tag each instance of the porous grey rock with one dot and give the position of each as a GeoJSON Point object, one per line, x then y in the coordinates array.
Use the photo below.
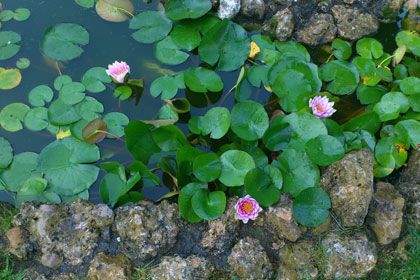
{"type": "Point", "coordinates": [177, 268]}
{"type": "Point", "coordinates": [351, 256]}
{"type": "Point", "coordinates": [222, 232]}
{"type": "Point", "coordinates": [353, 23]}
{"type": "Point", "coordinates": [297, 262]}
{"type": "Point", "coordinates": [66, 232]}
{"type": "Point", "coordinates": [411, 170]}
{"type": "Point", "coordinates": [17, 242]}
{"type": "Point", "coordinates": [105, 267]}
{"type": "Point", "coordinates": [228, 8]}
{"type": "Point", "coordinates": [248, 260]}
{"type": "Point", "coordinates": [319, 29]}
{"type": "Point", "coordinates": [278, 219]}
{"type": "Point", "coordinates": [349, 182]}
{"type": "Point", "coordinates": [253, 8]}
{"type": "Point", "coordinates": [35, 275]}
{"type": "Point", "coordinates": [385, 213]}
{"type": "Point", "coordinates": [146, 229]}
{"type": "Point", "coordinates": [284, 24]}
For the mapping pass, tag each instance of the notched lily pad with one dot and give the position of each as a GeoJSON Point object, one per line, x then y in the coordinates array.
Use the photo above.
{"type": "Point", "coordinates": [114, 10]}
{"type": "Point", "coordinates": [9, 78]}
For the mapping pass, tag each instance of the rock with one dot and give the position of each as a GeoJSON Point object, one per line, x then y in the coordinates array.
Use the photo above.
{"type": "Point", "coordinates": [228, 8]}
{"type": "Point", "coordinates": [177, 268]}
{"type": "Point", "coordinates": [349, 183]}
{"type": "Point", "coordinates": [324, 227]}
{"type": "Point", "coordinates": [411, 171]}
{"type": "Point", "coordinates": [105, 267]}
{"type": "Point", "coordinates": [35, 275]}
{"type": "Point", "coordinates": [297, 262]}
{"type": "Point", "coordinates": [319, 29]}
{"type": "Point", "coordinates": [65, 232]}
{"type": "Point", "coordinates": [348, 256]}
{"type": "Point", "coordinates": [253, 8]}
{"type": "Point", "coordinates": [146, 229]}
{"type": "Point", "coordinates": [222, 232]}
{"type": "Point", "coordinates": [278, 219]}
{"type": "Point", "coordinates": [284, 24]}
{"type": "Point", "coordinates": [248, 260]}
{"type": "Point", "coordinates": [353, 23]}
{"type": "Point", "coordinates": [412, 21]}
{"type": "Point", "coordinates": [17, 242]}
{"type": "Point", "coordinates": [385, 213]}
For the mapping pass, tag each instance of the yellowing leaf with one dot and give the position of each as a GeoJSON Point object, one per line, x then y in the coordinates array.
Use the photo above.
{"type": "Point", "coordinates": [268, 88]}
{"type": "Point", "coordinates": [63, 134]}
{"type": "Point", "coordinates": [255, 49]}
{"type": "Point", "coordinates": [9, 78]}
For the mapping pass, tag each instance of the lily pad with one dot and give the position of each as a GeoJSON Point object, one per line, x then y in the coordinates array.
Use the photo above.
{"type": "Point", "coordinates": [310, 208]}
{"type": "Point", "coordinates": [207, 167]}
{"type": "Point", "coordinates": [184, 201]}
{"type": "Point", "coordinates": [186, 36]}
{"type": "Point", "coordinates": [85, 3]}
{"type": "Point", "coordinates": [36, 119]}
{"type": "Point", "coordinates": [9, 78]}
{"type": "Point", "coordinates": [225, 44]}
{"type": "Point", "coordinates": [168, 52]}
{"type": "Point", "coordinates": [63, 41]}
{"type": "Point", "coordinates": [324, 150]}
{"type": "Point", "coordinates": [40, 95]}
{"type": "Point", "coordinates": [61, 114]}
{"type": "Point", "coordinates": [249, 120]}
{"type": "Point", "coordinates": [342, 49]}
{"type": "Point", "coordinates": [95, 131]}
{"type": "Point", "coordinates": [116, 122]}
{"type": "Point", "coordinates": [68, 161]}
{"type": "Point", "coordinates": [72, 93]}
{"type": "Point", "coordinates": [9, 44]}
{"type": "Point", "coordinates": [208, 205]}
{"type": "Point", "coordinates": [152, 26]}
{"type": "Point", "coordinates": [114, 10]}
{"type": "Point", "coordinates": [167, 86]}
{"type": "Point", "coordinates": [343, 77]}
{"type": "Point", "coordinates": [21, 14]}
{"type": "Point", "coordinates": [305, 126]}
{"type": "Point", "coordinates": [182, 9]}
{"type": "Point", "coordinates": [369, 48]}
{"type": "Point", "coordinates": [94, 79]}
{"type": "Point", "coordinates": [6, 153]}
{"type": "Point", "coordinates": [201, 79]}
{"type": "Point", "coordinates": [235, 166]}
{"type": "Point", "coordinates": [23, 63]}
{"type": "Point", "coordinates": [11, 116]}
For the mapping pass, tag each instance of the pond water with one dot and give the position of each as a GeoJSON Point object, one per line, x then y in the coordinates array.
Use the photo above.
{"type": "Point", "coordinates": [108, 42]}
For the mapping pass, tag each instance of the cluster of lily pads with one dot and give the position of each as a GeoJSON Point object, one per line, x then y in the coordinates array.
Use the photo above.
{"type": "Point", "coordinates": [259, 150]}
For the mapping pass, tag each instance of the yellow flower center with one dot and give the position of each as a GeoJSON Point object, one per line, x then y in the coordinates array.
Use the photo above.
{"type": "Point", "coordinates": [247, 207]}
{"type": "Point", "coordinates": [120, 71]}
{"type": "Point", "coordinates": [319, 108]}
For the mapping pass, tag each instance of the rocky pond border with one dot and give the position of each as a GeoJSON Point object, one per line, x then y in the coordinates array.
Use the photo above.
{"type": "Point", "coordinates": [80, 239]}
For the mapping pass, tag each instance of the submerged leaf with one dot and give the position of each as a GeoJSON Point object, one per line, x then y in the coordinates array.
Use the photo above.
{"type": "Point", "coordinates": [95, 131]}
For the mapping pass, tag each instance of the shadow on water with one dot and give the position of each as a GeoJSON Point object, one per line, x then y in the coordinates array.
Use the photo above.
{"type": "Point", "coordinates": [108, 42]}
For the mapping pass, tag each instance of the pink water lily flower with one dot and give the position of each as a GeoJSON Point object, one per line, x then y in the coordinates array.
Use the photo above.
{"type": "Point", "coordinates": [321, 107]}
{"type": "Point", "coordinates": [247, 209]}
{"type": "Point", "coordinates": [118, 71]}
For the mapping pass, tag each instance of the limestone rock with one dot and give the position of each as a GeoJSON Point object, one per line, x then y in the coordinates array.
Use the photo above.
{"type": "Point", "coordinates": [223, 231]}
{"type": "Point", "coordinates": [228, 8]}
{"type": "Point", "coordinates": [386, 212]}
{"type": "Point", "coordinates": [66, 232]}
{"type": "Point", "coordinates": [278, 219]}
{"type": "Point", "coordinates": [177, 268]}
{"type": "Point", "coordinates": [348, 256]}
{"type": "Point", "coordinates": [349, 183]}
{"type": "Point", "coordinates": [411, 171]}
{"type": "Point", "coordinates": [17, 242]}
{"type": "Point", "coordinates": [253, 8]}
{"type": "Point", "coordinates": [249, 261]}
{"type": "Point", "coordinates": [284, 24]}
{"type": "Point", "coordinates": [297, 262]}
{"type": "Point", "coordinates": [319, 29]}
{"type": "Point", "coordinates": [105, 267]}
{"type": "Point", "coordinates": [353, 23]}
{"type": "Point", "coordinates": [146, 229]}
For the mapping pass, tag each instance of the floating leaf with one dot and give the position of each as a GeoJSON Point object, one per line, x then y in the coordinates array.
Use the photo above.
{"type": "Point", "coordinates": [6, 153]}
{"type": "Point", "coordinates": [184, 201]}
{"type": "Point", "coordinates": [343, 77]}
{"type": "Point", "coordinates": [6, 15]}
{"type": "Point", "coordinates": [324, 150]}
{"type": "Point", "coordinates": [249, 120]}
{"type": "Point", "coordinates": [36, 119]}
{"type": "Point", "coordinates": [21, 14]}
{"type": "Point", "coordinates": [342, 49]}
{"type": "Point", "coordinates": [167, 86]}
{"type": "Point", "coordinates": [68, 161]}
{"type": "Point", "coordinates": [61, 114]}
{"type": "Point", "coordinates": [370, 95]}
{"type": "Point", "coordinates": [85, 3]}
{"type": "Point", "coordinates": [278, 135]}
{"type": "Point", "coordinates": [9, 78]}
{"type": "Point", "coordinates": [305, 126]}
{"type": "Point", "coordinates": [63, 41]}
{"type": "Point", "coordinates": [113, 187]}
{"type": "Point", "coordinates": [390, 152]}
{"type": "Point", "coordinates": [408, 131]}
{"type": "Point", "coordinates": [215, 122]}
{"type": "Point", "coordinates": [207, 167]}
{"type": "Point", "coordinates": [208, 205]}
{"type": "Point", "coordinates": [168, 52]}
{"type": "Point", "coordinates": [391, 105]}
{"type": "Point", "coordinates": [9, 44]}
{"type": "Point", "coordinates": [199, 79]}
{"type": "Point", "coordinates": [123, 92]}
{"type": "Point", "coordinates": [23, 63]}
{"type": "Point", "coordinates": [152, 26]}
{"type": "Point", "coordinates": [310, 208]}
{"type": "Point", "coordinates": [72, 93]}
{"type": "Point", "coordinates": [369, 48]}
{"type": "Point", "coordinates": [182, 9]}
{"type": "Point", "coordinates": [409, 39]}
{"type": "Point", "coordinates": [94, 79]}
{"type": "Point", "coordinates": [410, 86]}
{"type": "Point", "coordinates": [62, 80]}
{"type": "Point", "coordinates": [11, 116]}
{"type": "Point", "coordinates": [235, 166]}
{"type": "Point", "coordinates": [169, 138]}
{"type": "Point", "coordinates": [293, 50]}
{"type": "Point", "coordinates": [264, 184]}
{"type": "Point", "coordinates": [225, 44]}
{"type": "Point", "coordinates": [116, 122]}
{"type": "Point", "coordinates": [114, 10]}
{"type": "Point", "coordinates": [139, 140]}
{"type": "Point", "coordinates": [22, 168]}
{"type": "Point", "coordinates": [89, 108]}
{"type": "Point", "coordinates": [95, 131]}
{"type": "Point", "coordinates": [186, 36]}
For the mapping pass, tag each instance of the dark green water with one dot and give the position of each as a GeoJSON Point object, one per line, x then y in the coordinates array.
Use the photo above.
{"type": "Point", "coordinates": [108, 42]}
